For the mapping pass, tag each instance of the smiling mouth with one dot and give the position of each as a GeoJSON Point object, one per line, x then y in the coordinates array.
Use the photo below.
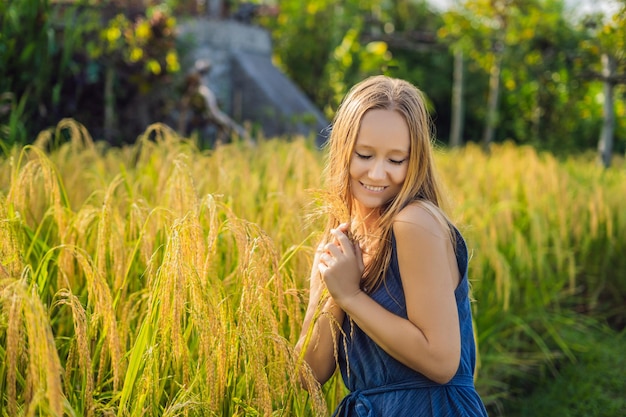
{"type": "Point", "coordinates": [372, 188]}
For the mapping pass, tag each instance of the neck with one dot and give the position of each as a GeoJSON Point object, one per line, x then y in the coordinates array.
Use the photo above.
{"type": "Point", "coordinates": [366, 219]}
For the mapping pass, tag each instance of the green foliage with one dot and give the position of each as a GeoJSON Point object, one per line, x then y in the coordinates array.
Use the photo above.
{"type": "Point", "coordinates": [427, 64]}
{"type": "Point", "coordinates": [592, 386]}
{"type": "Point", "coordinates": [14, 130]}
{"type": "Point", "coordinates": [606, 35]}
{"type": "Point", "coordinates": [549, 95]}
{"type": "Point", "coordinates": [33, 65]}
{"type": "Point", "coordinates": [326, 47]}
{"type": "Point", "coordinates": [351, 61]}
{"type": "Point", "coordinates": [318, 45]}
{"type": "Point", "coordinates": [544, 98]}
{"type": "Point", "coordinates": [547, 98]}
{"type": "Point", "coordinates": [145, 46]}
{"type": "Point", "coordinates": [54, 58]}
{"type": "Point", "coordinates": [304, 34]}
{"type": "Point", "coordinates": [545, 249]}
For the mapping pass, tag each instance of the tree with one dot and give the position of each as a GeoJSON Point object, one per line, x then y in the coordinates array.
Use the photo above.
{"type": "Point", "coordinates": [607, 43]}
{"type": "Point", "coordinates": [409, 28]}
{"type": "Point", "coordinates": [456, 124]}
{"type": "Point", "coordinates": [530, 79]}
{"type": "Point", "coordinates": [482, 26]}
{"type": "Point", "coordinates": [543, 98]}
{"type": "Point", "coordinates": [318, 44]}
{"type": "Point", "coordinates": [89, 62]}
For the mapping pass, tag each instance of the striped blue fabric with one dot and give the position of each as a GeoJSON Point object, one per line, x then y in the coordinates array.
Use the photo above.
{"type": "Point", "coordinates": [381, 386]}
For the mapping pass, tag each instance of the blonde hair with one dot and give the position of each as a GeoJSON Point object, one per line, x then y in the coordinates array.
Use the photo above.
{"type": "Point", "coordinates": [421, 184]}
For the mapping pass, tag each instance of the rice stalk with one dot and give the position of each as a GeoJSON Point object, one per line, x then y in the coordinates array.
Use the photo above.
{"type": "Point", "coordinates": [181, 195]}
{"type": "Point", "coordinates": [25, 183]}
{"type": "Point", "coordinates": [167, 324]}
{"type": "Point", "coordinates": [80, 138]}
{"type": "Point", "coordinates": [36, 351]}
{"type": "Point", "coordinates": [81, 336]}
{"type": "Point", "coordinates": [173, 279]}
{"type": "Point", "coordinates": [13, 340]}
{"type": "Point", "coordinates": [10, 255]}
{"type": "Point", "coordinates": [101, 303]}
{"type": "Point", "coordinates": [110, 256]}
{"type": "Point", "coordinates": [81, 233]}
{"type": "Point", "coordinates": [219, 240]}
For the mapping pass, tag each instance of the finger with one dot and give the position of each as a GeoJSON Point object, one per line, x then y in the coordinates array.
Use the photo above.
{"type": "Point", "coordinates": [333, 251]}
{"type": "Point", "coordinates": [327, 259]}
{"type": "Point", "coordinates": [344, 242]}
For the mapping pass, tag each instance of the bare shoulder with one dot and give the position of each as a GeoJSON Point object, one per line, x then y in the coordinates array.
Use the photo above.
{"type": "Point", "coordinates": [420, 218]}
{"type": "Point", "coordinates": [425, 250]}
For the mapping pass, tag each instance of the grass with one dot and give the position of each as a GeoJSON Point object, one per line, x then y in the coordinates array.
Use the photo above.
{"type": "Point", "coordinates": [161, 279]}
{"type": "Point", "coordinates": [593, 386]}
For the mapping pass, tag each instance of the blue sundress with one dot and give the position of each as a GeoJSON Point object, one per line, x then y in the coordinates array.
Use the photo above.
{"type": "Point", "coordinates": [382, 386]}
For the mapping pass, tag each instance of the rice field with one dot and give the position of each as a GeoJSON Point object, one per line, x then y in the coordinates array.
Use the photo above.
{"type": "Point", "coordinates": [163, 280]}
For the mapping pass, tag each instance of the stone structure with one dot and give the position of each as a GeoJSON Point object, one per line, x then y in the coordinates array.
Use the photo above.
{"type": "Point", "coordinates": [247, 86]}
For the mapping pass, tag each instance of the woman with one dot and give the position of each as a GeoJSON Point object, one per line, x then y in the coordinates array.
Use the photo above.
{"type": "Point", "coordinates": [396, 316]}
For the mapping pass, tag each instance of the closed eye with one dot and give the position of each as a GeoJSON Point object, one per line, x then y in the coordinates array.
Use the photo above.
{"type": "Point", "coordinates": [396, 162]}
{"type": "Point", "coordinates": [363, 156]}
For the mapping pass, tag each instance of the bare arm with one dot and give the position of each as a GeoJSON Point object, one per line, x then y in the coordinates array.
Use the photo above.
{"type": "Point", "coordinates": [429, 341]}
{"type": "Point", "coordinates": [317, 336]}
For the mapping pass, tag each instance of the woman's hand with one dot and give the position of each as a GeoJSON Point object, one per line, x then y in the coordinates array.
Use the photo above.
{"type": "Point", "coordinates": [317, 337]}
{"type": "Point", "coordinates": [341, 266]}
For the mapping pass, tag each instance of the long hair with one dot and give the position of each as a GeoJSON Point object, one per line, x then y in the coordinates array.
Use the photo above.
{"type": "Point", "coordinates": [420, 185]}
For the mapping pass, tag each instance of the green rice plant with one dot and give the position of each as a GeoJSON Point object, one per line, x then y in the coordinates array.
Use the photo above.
{"type": "Point", "coordinates": [536, 231]}
{"type": "Point", "coordinates": [191, 292]}
{"type": "Point", "coordinates": [31, 366]}
{"type": "Point", "coordinates": [170, 280]}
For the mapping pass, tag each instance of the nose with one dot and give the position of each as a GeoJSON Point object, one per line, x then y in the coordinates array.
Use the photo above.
{"type": "Point", "coordinates": [377, 170]}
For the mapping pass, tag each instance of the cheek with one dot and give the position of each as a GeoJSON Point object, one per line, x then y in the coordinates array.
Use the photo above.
{"type": "Point", "coordinates": [355, 169]}
{"type": "Point", "coordinates": [400, 175]}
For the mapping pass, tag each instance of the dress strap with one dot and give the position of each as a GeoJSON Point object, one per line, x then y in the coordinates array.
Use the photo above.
{"type": "Point", "coordinates": [357, 404]}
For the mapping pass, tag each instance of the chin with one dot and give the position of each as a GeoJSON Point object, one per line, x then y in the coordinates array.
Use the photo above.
{"type": "Point", "coordinates": [371, 205]}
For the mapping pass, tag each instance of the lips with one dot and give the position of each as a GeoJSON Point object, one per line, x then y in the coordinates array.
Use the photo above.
{"type": "Point", "coordinates": [373, 188]}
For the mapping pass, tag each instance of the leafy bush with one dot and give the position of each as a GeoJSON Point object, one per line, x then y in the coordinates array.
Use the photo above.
{"type": "Point", "coordinates": [106, 66]}
{"type": "Point", "coordinates": [33, 66]}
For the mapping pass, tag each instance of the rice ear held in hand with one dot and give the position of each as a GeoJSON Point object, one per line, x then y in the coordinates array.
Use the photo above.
{"type": "Point", "coordinates": [333, 208]}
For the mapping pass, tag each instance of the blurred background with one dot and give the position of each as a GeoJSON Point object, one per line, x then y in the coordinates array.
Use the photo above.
{"type": "Point", "coordinates": [549, 73]}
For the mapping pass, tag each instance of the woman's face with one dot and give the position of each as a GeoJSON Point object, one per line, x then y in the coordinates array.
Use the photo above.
{"type": "Point", "coordinates": [380, 160]}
